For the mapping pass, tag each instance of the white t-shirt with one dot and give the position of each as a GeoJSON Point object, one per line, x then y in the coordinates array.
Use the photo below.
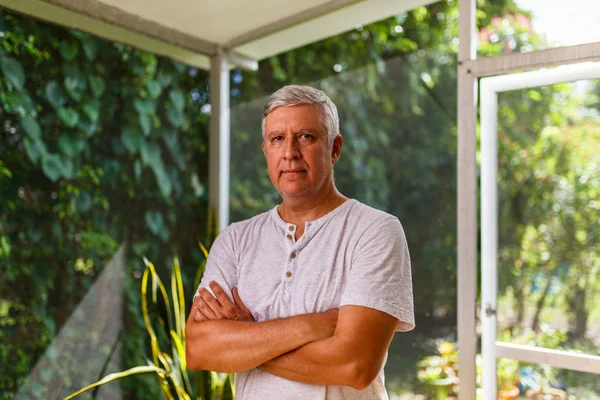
{"type": "Point", "coordinates": [354, 255]}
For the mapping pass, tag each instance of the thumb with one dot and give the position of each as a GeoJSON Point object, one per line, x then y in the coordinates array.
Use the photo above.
{"type": "Point", "coordinates": [238, 300]}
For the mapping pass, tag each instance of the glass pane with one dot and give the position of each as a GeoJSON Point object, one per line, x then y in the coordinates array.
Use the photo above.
{"type": "Point", "coordinates": [102, 162]}
{"type": "Point", "coordinates": [528, 25]}
{"type": "Point", "coordinates": [396, 100]}
{"type": "Point", "coordinates": [549, 213]}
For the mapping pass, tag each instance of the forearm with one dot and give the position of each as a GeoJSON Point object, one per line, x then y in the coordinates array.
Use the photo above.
{"type": "Point", "coordinates": [232, 346]}
{"type": "Point", "coordinates": [323, 362]}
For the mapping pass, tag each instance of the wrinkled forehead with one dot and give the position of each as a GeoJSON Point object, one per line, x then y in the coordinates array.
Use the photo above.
{"type": "Point", "coordinates": [295, 119]}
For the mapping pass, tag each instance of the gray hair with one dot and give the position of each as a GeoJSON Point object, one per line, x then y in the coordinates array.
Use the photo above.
{"type": "Point", "coordinates": [294, 95]}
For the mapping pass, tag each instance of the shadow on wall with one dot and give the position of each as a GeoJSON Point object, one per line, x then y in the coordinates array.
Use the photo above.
{"type": "Point", "coordinates": [88, 346]}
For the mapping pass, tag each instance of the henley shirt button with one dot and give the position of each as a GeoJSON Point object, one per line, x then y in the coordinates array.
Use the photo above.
{"type": "Point", "coordinates": [288, 274]}
{"type": "Point", "coordinates": [291, 228]}
{"type": "Point", "coordinates": [293, 255]}
{"type": "Point", "coordinates": [289, 237]}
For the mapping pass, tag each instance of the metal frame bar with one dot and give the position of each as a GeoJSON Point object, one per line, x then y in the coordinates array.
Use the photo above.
{"type": "Point", "coordinates": [467, 204]}
{"type": "Point", "coordinates": [556, 358]}
{"type": "Point", "coordinates": [517, 62]}
{"type": "Point", "coordinates": [219, 140]}
{"type": "Point", "coordinates": [490, 87]}
{"type": "Point", "coordinates": [489, 238]}
{"type": "Point", "coordinates": [469, 70]}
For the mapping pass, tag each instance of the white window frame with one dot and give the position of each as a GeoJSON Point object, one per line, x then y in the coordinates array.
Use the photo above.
{"type": "Point", "coordinates": [490, 347]}
{"type": "Point", "coordinates": [470, 69]}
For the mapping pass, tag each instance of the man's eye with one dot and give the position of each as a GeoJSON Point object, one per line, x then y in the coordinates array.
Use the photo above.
{"type": "Point", "coordinates": [306, 136]}
{"type": "Point", "coordinates": [277, 138]}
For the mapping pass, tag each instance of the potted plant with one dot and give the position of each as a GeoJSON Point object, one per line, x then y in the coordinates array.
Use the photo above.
{"type": "Point", "coordinates": [439, 372]}
{"type": "Point", "coordinates": [168, 359]}
{"type": "Point", "coordinates": [508, 378]}
{"type": "Point", "coordinates": [544, 390]}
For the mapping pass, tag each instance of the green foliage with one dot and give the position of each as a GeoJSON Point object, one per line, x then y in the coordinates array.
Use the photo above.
{"type": "Point", "coordinates": [89, 159]}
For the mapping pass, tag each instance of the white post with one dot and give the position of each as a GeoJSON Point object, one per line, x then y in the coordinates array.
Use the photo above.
{"type": "Point", "coordinates": [467, 203]}
{"type": "Point", "coordinates": [218, 149]}
{"type": "Point", "coordinates": [489, 238]}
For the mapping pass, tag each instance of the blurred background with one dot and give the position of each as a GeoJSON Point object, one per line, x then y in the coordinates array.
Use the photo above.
{"type": "Point", "coordinates": [104, 160]}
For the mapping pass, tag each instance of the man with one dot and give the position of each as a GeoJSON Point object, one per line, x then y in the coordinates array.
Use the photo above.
{"type": "Point", "coordinates": [302, 301]}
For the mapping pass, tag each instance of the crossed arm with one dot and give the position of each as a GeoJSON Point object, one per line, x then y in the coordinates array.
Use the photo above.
{"type": "Point", "coordinates": [334, 348]}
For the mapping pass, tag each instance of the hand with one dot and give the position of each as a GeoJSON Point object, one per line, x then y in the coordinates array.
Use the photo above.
{"type": "Point", "coordinates": [324, 324]}
{"type": "Point", "coordinates": [206, 307]}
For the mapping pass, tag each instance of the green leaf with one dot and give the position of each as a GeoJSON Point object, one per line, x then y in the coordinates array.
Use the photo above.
{"type": "Point", "coordinates": [143, 106]}
{"type": "Point", "coordinates": [111, 377]}
{"type": "Point", "coordinates": [97, 85]}
{"type": "Point", "coordinates": [18, 102]}
{"type": "Point", "coordinates": [146, 123]}
{"type": "Point", "coordinates": [32, 128]}
{"type": "Point", "coordinates": [534, 95]}
{"type": "Point", "coordinates": [83, 202]}
{"type": "Point", "coordinates": [35, 149]}
{"type": "Point", "coordinates": [150, 154]}
{"type": "Point", "coordinates": [69, 49]}
{"type": "Point", "coordinates": [55, 94]}
{"type": "Point", "coordinates": [165, 79]}
{"type": "Point", "coordinates": [52, 166]}
{"type": "Point", "coordinates": [132, 140]}
{"type": "Point", "coordinates": [177, 98]}
{"type": "Point", "coordinates": [68, 169]}
{"type": "Point", "coordinates": [155, 222]}
{"type": "Point", "coordinates": [176, 117]}
{"type": "Point", "coordinates": [70, 146]}
{"type": "Point", "coordinates": [72, 84]}
{"type": "Point", "coordinates": [88, 127]}
{"type": "Point", "coordinates": [154, 89]}
{"type": "Point", "coordinates": [171, 140]}
{"type": "Point", "coordinates": [90, 48]}
{"type": "Point", "coordinates": [197, 186]}
{"type": "Point", "coordinates": [162, 179]}
{"type": "Point", "coordinates": [91, 110]}
{"type": "Point", "coordinates": [13, 70]}
{"type": "Point", "coordinates": [137, 168]}
{"type": "Point", "coordinates": [69, 116]}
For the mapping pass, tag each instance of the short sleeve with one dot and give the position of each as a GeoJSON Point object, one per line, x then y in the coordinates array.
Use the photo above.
{"type": "Point", "coordinates": [220, 266]}
{"type": "Point", "coordinates": [380, 275]}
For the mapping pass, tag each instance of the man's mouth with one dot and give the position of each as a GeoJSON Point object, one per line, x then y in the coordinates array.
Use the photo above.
{"type": "Point", "coordinates": [292, 171]}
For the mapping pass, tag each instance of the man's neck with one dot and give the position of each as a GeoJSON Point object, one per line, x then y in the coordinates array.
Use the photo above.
{"type": "Point", "coordinates": [298, 211]}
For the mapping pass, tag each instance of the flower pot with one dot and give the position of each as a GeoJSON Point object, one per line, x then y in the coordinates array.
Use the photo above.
{"type": "Point", "coordinates": [509, 394]}
{"type": "Point", "coordinates": [548, 394]}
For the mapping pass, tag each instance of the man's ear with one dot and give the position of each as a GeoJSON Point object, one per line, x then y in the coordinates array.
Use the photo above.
{"type": "Point", "coordinates": [263, 149]}
{"type": "Point", "coordinates": [336, 149]}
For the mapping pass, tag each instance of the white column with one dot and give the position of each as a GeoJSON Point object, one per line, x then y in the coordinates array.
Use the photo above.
{"type": "Point", "coordinates": [218, 149]}
{"type": "Point", "coordinates": [489, 239]}
{"type": "Point", "coordinates": [467, 203]}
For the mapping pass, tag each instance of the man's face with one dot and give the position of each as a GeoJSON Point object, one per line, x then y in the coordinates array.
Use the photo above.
{"type": "Point", "coordinates": [295, 145]}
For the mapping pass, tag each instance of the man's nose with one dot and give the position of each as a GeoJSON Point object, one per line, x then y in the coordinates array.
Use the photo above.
{"type": "Point", "coordinates": [292, 149]}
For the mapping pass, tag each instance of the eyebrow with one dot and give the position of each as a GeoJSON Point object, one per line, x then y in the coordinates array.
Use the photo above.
{"type": "Point", "coordinates": [304, 130]}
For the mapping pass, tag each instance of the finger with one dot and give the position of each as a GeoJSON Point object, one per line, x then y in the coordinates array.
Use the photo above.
{"type": "Point", "coordinates": [211, 307]}
{"type": "Point", "coordinates": [198, 316]}
{"type": "Point", "coordinates": [222, 297]}
{"type": "Point", "coordinates": [238, 300]}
